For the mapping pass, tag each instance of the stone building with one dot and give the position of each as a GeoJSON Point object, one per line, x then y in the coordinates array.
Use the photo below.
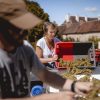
{"type": "Point", "coordinates": [80, 28]}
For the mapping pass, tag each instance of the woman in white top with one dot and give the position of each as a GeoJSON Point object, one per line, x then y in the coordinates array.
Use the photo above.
{"type": "Point", "coordinates": [45, 46]}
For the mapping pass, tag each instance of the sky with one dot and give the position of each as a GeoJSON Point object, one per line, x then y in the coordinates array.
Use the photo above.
{"type": "Point", "coordinates": [59, 9]}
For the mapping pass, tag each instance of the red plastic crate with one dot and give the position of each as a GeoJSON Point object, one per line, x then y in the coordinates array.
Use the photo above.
{"type": "Point", "coordinates": [97, 55]}
{"type": "Point", "coordinates": [69, 51]}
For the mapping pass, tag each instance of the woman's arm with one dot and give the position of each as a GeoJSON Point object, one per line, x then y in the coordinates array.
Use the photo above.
{"type": "Point", "coordinates": [53, 96]}
{"type": "Point", "coordinates": [39, 53]}
{"type": "Point", "coordinates": [57, 81]}
{"type": "Point", "coordinates": [54, 80]}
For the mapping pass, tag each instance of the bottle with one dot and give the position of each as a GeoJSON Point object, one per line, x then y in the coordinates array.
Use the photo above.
{"type": "Point", "coordinates": [37, 90]}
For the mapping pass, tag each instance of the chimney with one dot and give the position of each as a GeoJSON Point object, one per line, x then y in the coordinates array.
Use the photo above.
{"type": "Point", "coordinates": [86, 19]}
{"type": "Point", "coordinates": [67, 17]}
{"type": "Point", "coordinates": [99, 18]}
{"type": "Point", "coordinates": [77, 18]}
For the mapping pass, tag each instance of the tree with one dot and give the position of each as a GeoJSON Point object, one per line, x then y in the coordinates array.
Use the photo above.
{"type": "Point", "coordinates": [37, 32]}
{"type": "Point", "coordinates": [95, 40]}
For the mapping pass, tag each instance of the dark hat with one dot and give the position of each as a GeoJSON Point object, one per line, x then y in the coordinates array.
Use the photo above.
{"type": "Point", "coordinates": [16, 13]}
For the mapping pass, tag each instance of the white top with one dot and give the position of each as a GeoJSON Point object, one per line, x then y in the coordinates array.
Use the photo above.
{"type": "Point", "coordinates": [46, 51]}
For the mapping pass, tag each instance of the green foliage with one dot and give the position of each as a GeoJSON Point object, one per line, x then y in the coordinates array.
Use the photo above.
{"type": "Point", "coordinates": [37, 32]}
{"type": "Point", "coordinates": [69, 39]}
{"type": "Point", "coordinates": [95, 40]}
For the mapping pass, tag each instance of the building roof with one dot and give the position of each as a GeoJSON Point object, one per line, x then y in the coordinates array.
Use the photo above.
{"type": "Point", "coordinates": [89, 27]}
{"type": "Point", "coordinates": [74, 27]}
{"type": "Point", "coordinates": [61, 29]}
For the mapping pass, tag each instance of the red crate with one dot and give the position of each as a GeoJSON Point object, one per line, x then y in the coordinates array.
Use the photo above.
{"type": "Point", "coordinates": [70, 51]}
{"type": "Point", "coordinates": [97, 55]}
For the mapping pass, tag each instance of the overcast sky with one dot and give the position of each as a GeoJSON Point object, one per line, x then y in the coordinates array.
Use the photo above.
{"type": "Point", "coordinates": [58, 9]}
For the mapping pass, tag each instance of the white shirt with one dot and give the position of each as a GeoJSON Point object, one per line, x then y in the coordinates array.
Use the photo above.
{"type": "Point", "coordinates": [46, 51]}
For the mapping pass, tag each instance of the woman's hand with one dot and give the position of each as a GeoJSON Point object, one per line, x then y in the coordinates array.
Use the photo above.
{"type": "Point", "coordinates": [54, 58]}
{"type": "Point", "coordinates": [80, 88]}
{"type": "Point", "coordinates": [83, 87]}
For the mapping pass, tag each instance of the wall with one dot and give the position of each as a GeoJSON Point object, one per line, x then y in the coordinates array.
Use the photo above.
{"type": "Point", "coordinates": [83, 37]}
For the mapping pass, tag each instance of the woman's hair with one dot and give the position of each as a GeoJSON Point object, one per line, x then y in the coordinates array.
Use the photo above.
{"type": "Point", "coordinates": [46, 24]}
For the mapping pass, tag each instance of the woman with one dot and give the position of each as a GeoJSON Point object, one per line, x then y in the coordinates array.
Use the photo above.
{"type": "Point", "coordinates": [45, 46]}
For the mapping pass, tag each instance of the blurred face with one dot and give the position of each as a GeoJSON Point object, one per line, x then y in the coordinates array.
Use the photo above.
{"type": "Point", "coordinates": [13, 38]}
{"type": "Point", "coordinates": [51, 32]}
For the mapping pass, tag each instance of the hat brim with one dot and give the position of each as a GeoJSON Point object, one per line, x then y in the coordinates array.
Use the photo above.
{"type": "Point", "coordinates": [26, 21]}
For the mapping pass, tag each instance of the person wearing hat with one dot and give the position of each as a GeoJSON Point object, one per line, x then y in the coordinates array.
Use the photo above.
{"type": "Point", "coordinates": [18, 58]}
